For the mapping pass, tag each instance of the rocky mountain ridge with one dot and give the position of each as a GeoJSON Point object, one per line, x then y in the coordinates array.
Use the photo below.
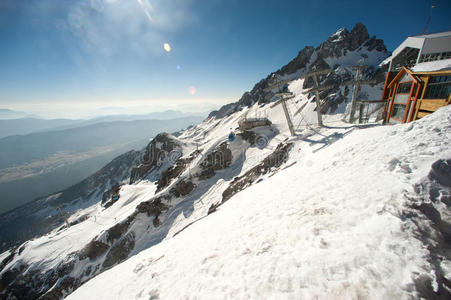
{"type": "Point", "coordinates": [328, 55]}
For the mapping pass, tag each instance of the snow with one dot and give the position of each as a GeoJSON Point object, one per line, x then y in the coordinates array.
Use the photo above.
{"type": "Point", "coordinates": [328, 227]}
{"type": "Point", "coordinates": [337, 36]}
{"type": "Point", "coordinates": [433, 66]}
{"type": "Point", "coordinates": [364, 56]}
{"type": "Point", "coordinates": [48, 250]}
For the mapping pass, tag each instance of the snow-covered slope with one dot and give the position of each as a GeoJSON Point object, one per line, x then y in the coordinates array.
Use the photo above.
{"type": "Point", "coordinates": [339, 224]}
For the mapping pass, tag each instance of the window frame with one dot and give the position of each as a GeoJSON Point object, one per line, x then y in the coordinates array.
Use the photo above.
{"type": "Point", "coordinates": [438, 82]}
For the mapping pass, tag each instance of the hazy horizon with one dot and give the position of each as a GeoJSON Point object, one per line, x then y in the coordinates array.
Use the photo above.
{"type": "Point", "coordinates": [70, 58]}
{"type": "Point", "coordinates": [93, 110]}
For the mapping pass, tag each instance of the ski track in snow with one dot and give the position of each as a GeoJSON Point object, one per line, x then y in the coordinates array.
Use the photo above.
{"type": "Point", "coordinates": [328, 227]}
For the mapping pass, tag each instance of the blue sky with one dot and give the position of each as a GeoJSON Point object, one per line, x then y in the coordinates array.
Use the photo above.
{"type": "Point", "coordinates": [70, 57]}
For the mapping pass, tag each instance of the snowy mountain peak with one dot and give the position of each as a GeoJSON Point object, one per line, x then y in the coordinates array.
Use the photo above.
{"type": "Point", "coordinates": [338, 32]}
{"type": "Point", "coordinates": [343, 49]}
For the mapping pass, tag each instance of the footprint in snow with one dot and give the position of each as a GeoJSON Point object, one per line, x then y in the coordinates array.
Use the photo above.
{"type": "Point", "coordinates": [154, 294]}
{"type": "Point", "coordinates": [292, 211]}
{"type": "Point", "coordinates": [138, 268]}
{"type": "Point", "coordinates": [396, 164]}
{"type": "Point", "coordinates": [265, 249]}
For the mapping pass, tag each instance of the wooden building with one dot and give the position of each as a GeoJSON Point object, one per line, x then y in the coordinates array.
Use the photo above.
{"type": "Point", "coordinates": [412, 95]}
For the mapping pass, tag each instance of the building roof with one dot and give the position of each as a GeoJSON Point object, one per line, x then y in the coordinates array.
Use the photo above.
{"type": "Point", "coordinates": [433, 35]}
{"type": "Point", "coordinates": [425, 42]}
{"type": "Point", "coordinates": [400, 74]}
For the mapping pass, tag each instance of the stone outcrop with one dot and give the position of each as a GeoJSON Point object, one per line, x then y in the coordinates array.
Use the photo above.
{"type": "Point", "coordinates": [155, 152]}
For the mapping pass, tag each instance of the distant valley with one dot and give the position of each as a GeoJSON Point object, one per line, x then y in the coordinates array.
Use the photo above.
{"type": "Point", "coordinates": [48, 161]}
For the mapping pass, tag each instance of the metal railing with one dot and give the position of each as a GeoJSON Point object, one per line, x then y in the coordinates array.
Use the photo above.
{"type": "Point", "coordinates": [368, 108]}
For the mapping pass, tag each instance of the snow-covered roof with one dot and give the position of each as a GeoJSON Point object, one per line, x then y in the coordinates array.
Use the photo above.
{"type": "Point", "coordinates": [437, 65]}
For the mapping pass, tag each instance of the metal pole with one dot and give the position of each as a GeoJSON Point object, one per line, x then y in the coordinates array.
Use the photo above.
{"type": "Point", "coordinates": [355, 94]}
{"type": "Point", "coordinates": [287, 115]}
{"type": "Point", "coordinates": [318, 103]}
{"type": "Point", "coordinates": [63, 215]}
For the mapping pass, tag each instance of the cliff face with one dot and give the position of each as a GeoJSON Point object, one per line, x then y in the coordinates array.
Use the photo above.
{"type": "Point", "coordinates": [340, 52]}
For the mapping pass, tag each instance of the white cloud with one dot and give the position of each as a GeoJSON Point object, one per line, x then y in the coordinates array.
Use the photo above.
{"type": "Point", "coordinates": [105, 28]}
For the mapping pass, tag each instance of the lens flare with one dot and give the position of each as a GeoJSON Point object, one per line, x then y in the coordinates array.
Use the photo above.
{"type": "Point", "coordinates": [167, 47]}
{"type": "Point", "coordinates": [178, 67]}
{"type": "Point", "coordinates": [192, 90]}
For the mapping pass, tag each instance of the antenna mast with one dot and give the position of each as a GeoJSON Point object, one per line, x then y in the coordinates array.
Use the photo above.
{"type": "Point", "coordinates": [425, 31]}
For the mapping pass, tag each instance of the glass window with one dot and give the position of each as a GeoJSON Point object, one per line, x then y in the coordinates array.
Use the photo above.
{"type": "Point", "coordinates": [404, 88]}
{"type": "Point", "coordinates": [439, 87]}
{"type": "Point", "coordinates": [398, 111]}
{"type": "Point", "coordinates": [435, 56]}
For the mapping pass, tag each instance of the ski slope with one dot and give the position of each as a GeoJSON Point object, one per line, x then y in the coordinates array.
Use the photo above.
{"type": "Point", "coordinates": [331, 226]}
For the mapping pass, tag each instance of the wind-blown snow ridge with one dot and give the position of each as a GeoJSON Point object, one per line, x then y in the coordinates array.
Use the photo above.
{"type": "Point", "coordinates": [336, 229]}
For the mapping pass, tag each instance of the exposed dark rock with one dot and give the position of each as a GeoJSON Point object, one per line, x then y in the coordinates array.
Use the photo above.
{"type": "Point", "coordinates": [79, 220]}
{"type": "Point", "coordinates": [299, 62]}
{"type": "Point", "coordinates": [65, 286]}
{"type": "Point", "coordinates": [169, 175]}
{"type": "Point", "coordinates": [111, 193]}
{"type": "Point", "coordinates": [183, 188]}
{"type": "Point", "coordinates": [88, 271]}
{"type": "Point", "coordinates": [219, 158]}
{"type": "Point", "coordinates": [64, 269]}
{"type": "Point", "coordinates": [207, 173]}
{"type": "Point", "coordinates": [224, 111]}
{"type": "Point", "coordinates": [18, 285]}
{"type": "Point", "coordinates": [213, 208]}
{"type": "Point", "coordinates": [156, 222]}
{"type": "Point", "coordinates": [173, 172]}
{"type": "Point", "coordinates": [248, 135]}
{"type": "Point", "coordinates": [7, 260]}
{"type": "Point", "coordinates": [156, 151]}
{"type": "Point", "coordinates": [9, 276]}
{"type": "Point", "coordinates": [93, 250]}
{"type": "Point", "coordinates": [119, 229]}
{"type": "Point", "coordinates": [274, 160]}
{"type": "Point", "coordinates": [120, 251]}
{"type": "Point", "coordinates": [152, 207]}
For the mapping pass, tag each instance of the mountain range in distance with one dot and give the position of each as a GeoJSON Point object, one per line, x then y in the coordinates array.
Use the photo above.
{"type": "Point", "coordinates": [20, 123]}
{"type": "Point", "coordinates": [61, 152]}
